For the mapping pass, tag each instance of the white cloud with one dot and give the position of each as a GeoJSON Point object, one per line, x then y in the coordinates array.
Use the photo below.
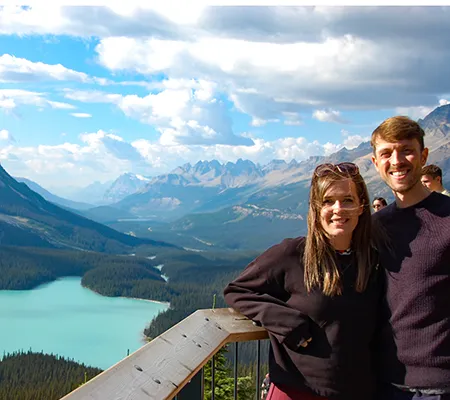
{"type": "Point", "coordinates": [101, 157]}
{"type": "Point", "coordinates": [7, 103]}
{"type": "Point", "coordinates": [351, 141]}
{"type": "Point", "coordinates": [420, 112]}
{"type": "Point", "coordinates": [104, 156]}
{"type": "Point", "coordinates": [269, 61]}
{"type": "Point", "coordinates": [81, 115]}
{"type": "Point", "coordinates": [292, 118]}
{"type": "Point", "coordinates": [20, 70]}
{"type": "Point", "coordinates": [6, 136]}
{"type": "Point", "coordinates": [11, 98]}
{"type": "Point", "coordinates": [14, 69]}
{"type": "Point", "coordinates": [414, 112]}
{"type": "Point", "coordinates": [329, 116]}
{"type": "Point", "coordinates": [60, 105]}
{"type": "Point", "coordinates": [190, 114]}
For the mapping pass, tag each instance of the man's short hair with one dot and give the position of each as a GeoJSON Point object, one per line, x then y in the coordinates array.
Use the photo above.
{"type": "Point", "coordinates": [381, 200]}
{"type": "Point", "coordinates": [432, 170]}
{"type": "Point", "coordinates": [398, 128]}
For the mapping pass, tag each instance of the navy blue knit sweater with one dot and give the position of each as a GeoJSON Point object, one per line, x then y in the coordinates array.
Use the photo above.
{"type": "Point", "coordinates": [415, 333]}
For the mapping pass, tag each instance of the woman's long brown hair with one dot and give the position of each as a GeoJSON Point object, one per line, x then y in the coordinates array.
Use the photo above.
{"type": "Point", "coordinates": [319, 257]}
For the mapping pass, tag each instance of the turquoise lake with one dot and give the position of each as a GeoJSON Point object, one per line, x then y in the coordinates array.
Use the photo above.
{"type": "Point", "coordinates": [66, 319]}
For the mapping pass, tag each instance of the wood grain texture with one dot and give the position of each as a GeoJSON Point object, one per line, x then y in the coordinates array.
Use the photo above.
{"type": "Point", "coordinates": [161, 368]}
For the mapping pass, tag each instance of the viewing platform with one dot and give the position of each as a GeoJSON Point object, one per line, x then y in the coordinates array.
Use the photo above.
{"type": "Point", "coordinates": [171, 365]}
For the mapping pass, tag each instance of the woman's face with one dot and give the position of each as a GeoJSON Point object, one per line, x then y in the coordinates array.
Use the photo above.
{"type": "Point", "coordinates": [340, 212]}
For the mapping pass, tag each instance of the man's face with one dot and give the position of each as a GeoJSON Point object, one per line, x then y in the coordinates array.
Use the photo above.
{"type": "Point", "coordinates": [434, 184]}
{"type": "Point", "coordinates": [377, 205]}
{"type": "Point", "coordinates": [400, 164]}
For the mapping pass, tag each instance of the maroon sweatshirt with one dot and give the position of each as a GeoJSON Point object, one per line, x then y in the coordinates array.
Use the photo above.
{"type": "Point", "coordinates": [337, 363]}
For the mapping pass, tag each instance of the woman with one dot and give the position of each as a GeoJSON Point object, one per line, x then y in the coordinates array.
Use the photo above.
{"type": "Point", "coordinates": [318, 295]}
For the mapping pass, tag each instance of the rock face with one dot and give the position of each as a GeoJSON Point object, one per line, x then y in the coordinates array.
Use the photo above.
{"type": "Point", "coordinates": [125, 185]}
{"type": "Point", "coordinates": [437, 124]}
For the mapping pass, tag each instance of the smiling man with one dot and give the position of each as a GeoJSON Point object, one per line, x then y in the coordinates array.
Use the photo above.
{"type": "Point", "coordinates": [414, 352]}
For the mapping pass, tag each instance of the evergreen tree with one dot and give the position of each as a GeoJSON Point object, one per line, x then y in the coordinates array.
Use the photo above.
{"type": "Point", "coordinates": [224, 380]}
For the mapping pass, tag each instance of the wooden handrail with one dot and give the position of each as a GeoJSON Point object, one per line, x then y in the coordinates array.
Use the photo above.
{"type": "Point", "coordinates": [160, 369]}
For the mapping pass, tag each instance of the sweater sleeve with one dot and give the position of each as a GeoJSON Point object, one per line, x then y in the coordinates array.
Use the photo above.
{"type": "Point", "coordinates": [259, 293]}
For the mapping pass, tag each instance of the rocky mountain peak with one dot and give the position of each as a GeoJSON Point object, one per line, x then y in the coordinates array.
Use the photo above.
{"type": "Point", "coordinates": [437, 123]}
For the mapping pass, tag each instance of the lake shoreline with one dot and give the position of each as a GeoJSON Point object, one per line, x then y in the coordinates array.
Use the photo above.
{"type": "Point", "coordinates": [166, 303]}
{"type": "Point", "coordinates": [75, 322]}
{"type": "Point", "coordinates": [125, 297]}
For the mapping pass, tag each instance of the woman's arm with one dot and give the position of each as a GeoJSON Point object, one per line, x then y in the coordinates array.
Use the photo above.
{"type": "Point", "coordinates": [259, 293]}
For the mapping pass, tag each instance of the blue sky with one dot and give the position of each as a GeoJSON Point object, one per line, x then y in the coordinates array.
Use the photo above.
{"type": "Point", "coordinates": [89, 93]}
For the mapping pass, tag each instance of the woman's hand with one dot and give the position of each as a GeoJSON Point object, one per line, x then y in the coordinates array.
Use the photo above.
{"type": "Point", "coordinates": [306, 342]}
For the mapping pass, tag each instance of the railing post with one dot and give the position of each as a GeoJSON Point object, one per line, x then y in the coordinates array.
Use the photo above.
{"type": "Point", "coordinates": [236, 354]}
{"type": "Point", "coordinates": [194, 389]}
{"type": "Point", "coordinates": [258, 368]}
{"type": "Point", "coordinates": [213, 377]}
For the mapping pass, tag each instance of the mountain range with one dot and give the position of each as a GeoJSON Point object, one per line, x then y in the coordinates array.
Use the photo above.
{"type": "Point", "coordinates": [212, 204]}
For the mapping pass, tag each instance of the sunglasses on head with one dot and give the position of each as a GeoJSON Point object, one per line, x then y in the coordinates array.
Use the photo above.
{"type": "Point", "coordinates": [347, 168]}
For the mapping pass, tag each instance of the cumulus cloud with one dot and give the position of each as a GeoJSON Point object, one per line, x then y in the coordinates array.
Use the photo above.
{"type": "Point", "coordinates": [420, 112]}
{"type": "Point", "coordinates": [329, 116]}
{"type": "Point", "coordinates": [414, 112]}
{"type": "Point", "coordinates": [14, 69]}
{"type": "Point", "coordinates": [6, 136]}
{"type": "Point", "coordinates": [12, 98]}
{"type": "Point", "coordinates": [189, 115]}
{"type": "Point", "coordinates": [20, 70]}
{"type": "Point", "coordinates": [351, 141]}
{"type": "Point", "coordinates": [101, 155]}
{"type": "Point", "coordinates": [296, 59]}
{"type": "Point", "coordinates": [346, 72]}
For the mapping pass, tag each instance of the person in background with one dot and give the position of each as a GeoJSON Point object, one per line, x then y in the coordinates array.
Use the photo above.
{"type": "Point", "coordinates": [318, 295]}
{"type": "Point", "coordinates": [265, 387]}
{"type": "Point", "coordinates": [432, 179]}
{"type": "Point", "coordinates": [414, 342]}
{"type": "Point", "coordinates": [379, 203]}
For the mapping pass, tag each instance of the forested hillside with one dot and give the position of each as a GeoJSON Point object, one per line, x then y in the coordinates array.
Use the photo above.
{"type": "Point", "coordinates": [38, 376]}
{"type": "Point", "coordinates": [27, 267]}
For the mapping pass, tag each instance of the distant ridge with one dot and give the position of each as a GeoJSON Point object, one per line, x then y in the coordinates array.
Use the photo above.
{"type": "Point", "coordinates": [27, 219]}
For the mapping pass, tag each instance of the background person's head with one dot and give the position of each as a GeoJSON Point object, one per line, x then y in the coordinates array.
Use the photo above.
{"type": "Point", "coordinates": [399, 153]}
{"type": "Point", "coordinates": [432, 178]}
{"type": "Point", "coordinates": [338, 216]}
{"type": "Point", "coordinates": [378, 203]}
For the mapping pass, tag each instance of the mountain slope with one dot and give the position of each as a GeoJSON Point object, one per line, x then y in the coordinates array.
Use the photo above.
{"type": "Point", "coordinates": [52, 197]}
{"type": "Point", "coordinates": [24, 213]}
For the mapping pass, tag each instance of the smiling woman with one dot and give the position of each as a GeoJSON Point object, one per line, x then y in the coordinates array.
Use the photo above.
{"type": "Point", "coordinates": [318, 296]}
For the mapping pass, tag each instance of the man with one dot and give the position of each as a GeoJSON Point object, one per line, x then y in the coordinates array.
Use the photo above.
{"type": "Point", "coordinates": [379, 203]}
{"type": "Point", "coordinates": [432, 179]}
{"type": "Point", "coordinates": [265, 387]}
{"type": "Point", "coordinates": [414, 352]}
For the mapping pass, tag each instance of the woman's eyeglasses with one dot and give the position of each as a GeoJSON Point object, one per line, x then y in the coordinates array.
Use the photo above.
{"type": "Point", "coordinates": [347, 168]}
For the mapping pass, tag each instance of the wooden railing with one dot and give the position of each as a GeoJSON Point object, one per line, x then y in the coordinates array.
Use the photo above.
{"type": "Point", "coordinates": [160, 369]}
